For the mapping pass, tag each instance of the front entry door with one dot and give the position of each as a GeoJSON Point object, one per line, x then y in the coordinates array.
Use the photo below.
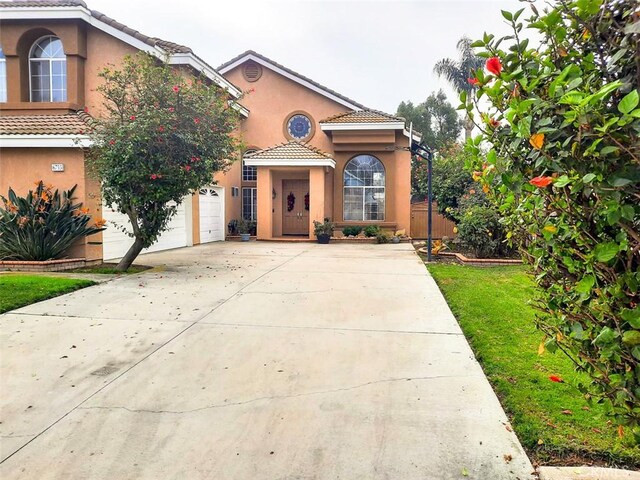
{"type": "Point", "coordinates": [295, 217]}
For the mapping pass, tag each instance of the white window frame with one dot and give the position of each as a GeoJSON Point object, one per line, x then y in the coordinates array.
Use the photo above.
{"type": "Point", "coordinates": [4, 93]}
{"type": "Point", "coordinates": [254, 203]}
{"type": "Point", "coordinates": [248, 169]}
{"type": "Point", "coordinates": [364, 189]}
{"type": "Point", "coordinates": [50, 61]}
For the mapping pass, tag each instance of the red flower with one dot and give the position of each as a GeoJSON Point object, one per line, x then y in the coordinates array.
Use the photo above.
{"type": "Point", "coordinates": [196, 120]}
{"type": "Point", "coordinates": [541, 181]}
{"type": "Point", "coordinates": [132, 118]}
{"type": "Point", "coordinates": [171, 109]}
{"type": "Point", "coordinates": [555, 378]}
{"type": "Point", "coordinates": [473, 81]}
{"type": "Point", "coordinates": [494, 66]}
{"type": "Point", "coordinates": [112, 142]}
{"type": "Point", "coordinates": [153, 176]}
{"type": "Point", "coordinates": [176, 88]}
{"type": "Point", "coordinates": [187, 168]}
{"type": "Point", "coordinates": [161, 128]}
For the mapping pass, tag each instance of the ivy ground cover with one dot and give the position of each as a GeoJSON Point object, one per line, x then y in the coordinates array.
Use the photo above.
{"type": "Point", "coordinates": [551, 418]}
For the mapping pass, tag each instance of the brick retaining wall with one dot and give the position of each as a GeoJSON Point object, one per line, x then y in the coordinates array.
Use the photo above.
{"type": "Point", "coordinates": [45, 266]}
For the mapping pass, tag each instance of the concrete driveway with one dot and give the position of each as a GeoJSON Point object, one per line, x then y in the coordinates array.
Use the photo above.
{"type": "Point", "coordinates": [250, 361]}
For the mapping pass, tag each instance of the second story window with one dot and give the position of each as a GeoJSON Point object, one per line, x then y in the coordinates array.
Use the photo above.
{"type": "Point", "coordinates": [48, 71]}
{"type": "Point", "coordinates": [3, 77]}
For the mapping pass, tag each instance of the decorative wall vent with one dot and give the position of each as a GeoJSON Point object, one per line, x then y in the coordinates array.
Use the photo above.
{"type": "Point", "coordinates": [251, 71]}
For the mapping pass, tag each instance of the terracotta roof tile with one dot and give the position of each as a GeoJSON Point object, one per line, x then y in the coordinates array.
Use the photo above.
{"type": "Point", "coordinates": [166, 46]}
{"type": "Point", "coordinates": [363, 116]}
{"type": "Point", "coordinates": [289, 151]}
{"type": "Point", "coordinates": [67, 124]}
{"type": "Point", "coordinates": [307, 79]}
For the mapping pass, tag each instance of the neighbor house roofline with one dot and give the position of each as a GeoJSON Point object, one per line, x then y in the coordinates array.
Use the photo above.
{"type": "Point", "coordinates": [291, 75]}
{"type": "Point", "coordinates": [173, 53]}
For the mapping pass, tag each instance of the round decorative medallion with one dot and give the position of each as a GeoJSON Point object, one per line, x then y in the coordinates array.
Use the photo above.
{"type": "Point", "coordinates": [299, 127]}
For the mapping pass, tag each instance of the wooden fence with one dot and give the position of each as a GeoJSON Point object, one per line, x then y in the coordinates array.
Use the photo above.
{"type": "Point", "coordinates": [441, 227]}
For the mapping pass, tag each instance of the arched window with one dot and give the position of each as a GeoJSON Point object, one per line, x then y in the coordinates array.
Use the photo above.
{"type": "Point", "coordinates": [3, 77]}
{"type": "Point", "coordinates": [48, 71]}
{"type": "Point", "coordinates": [249, 174]}
{"type": "Point", "coordinates": [364, 180]}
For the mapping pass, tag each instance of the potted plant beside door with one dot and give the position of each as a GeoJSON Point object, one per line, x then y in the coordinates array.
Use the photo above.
{"type": "Point", "coordinates": [244, 229]}
{"type": "Point", "coordinates": [323, 230]}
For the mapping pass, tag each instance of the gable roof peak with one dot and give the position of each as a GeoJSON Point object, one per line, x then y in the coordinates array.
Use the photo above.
{"type": "Point", "coordinates": [291, 75]}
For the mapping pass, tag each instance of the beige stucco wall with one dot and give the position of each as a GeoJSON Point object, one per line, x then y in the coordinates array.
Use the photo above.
{"type": "Point", "coordinates": [272, 100]}
{"type": "Point", "coordinates": [21, 167]}
{"type": "Point", "coordinates": [88, 51]}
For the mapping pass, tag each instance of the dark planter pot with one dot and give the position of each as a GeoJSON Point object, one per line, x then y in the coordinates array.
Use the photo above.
{"type": "Point", "coordinates": [244, 237]}
{"type": "Point", "coordinates": [323, 238]}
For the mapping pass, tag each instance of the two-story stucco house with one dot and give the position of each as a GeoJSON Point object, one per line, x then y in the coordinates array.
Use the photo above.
{"type": "Point", "coordinates": [312, 153]}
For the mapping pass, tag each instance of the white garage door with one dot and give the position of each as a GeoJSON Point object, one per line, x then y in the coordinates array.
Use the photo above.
{"type": "Point", "coordinates": [115, 242]}
{"type": "Point", "coordinates": [211, 214]}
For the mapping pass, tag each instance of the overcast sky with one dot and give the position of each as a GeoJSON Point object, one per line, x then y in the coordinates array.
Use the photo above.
{"type": "Point", "coordinates": [375, 52]}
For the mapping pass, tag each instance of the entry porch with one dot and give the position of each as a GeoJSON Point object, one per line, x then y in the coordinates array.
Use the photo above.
{"type": "Point", "coordinates": [294, 189]}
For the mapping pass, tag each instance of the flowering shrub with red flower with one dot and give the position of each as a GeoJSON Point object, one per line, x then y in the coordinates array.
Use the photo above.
{"type": "Point", "coordinates": [494, 66]}
{"type": "Point", "coordinates": [566, 177]}
{"type": "Point", "coordinates": [150, 153]}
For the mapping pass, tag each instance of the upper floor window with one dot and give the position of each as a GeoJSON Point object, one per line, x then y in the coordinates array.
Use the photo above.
{"type": "Point", "coordinates": [48, 71]}
{"type": "Point", "coordinates": [3, 77]}
{"type": "Point", "coordinates": [249, 174]}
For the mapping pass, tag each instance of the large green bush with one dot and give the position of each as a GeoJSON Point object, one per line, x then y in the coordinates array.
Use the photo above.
{"type": "Point", "coordinates": [450, 178]}
{"type": "Point", "coordinates": [564, 124]}
{"type": "Point", "coordinates": [480, 232]}
{"type": "Point", "coordinates": [43, 224]}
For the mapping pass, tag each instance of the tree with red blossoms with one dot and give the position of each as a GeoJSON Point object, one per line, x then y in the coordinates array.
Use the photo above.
{"type": "Point", "coordinates": [164, 135]}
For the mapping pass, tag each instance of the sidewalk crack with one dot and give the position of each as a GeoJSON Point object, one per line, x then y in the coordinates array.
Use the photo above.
{"type": "Point", "coordinates": [273, 397]}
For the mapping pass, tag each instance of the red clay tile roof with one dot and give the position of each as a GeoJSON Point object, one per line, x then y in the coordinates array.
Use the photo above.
{"type": "Point", "coordinates": [67, 124]}
{"type": "Point", "coordinates": [363, 116]}
{"type": "Point", "coordinates": [288, 70]}
{"type": "Point", "coordinates": [166, 46]}
{"type": "Point", "coordinates": [289, 151]}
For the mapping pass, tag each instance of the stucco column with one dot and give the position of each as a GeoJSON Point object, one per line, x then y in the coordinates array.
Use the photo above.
{"type": "Point", "coordinates": [402, 186]}
{"type": "Point", "coordinates": [265, 203]}
{"type": "Point", "coordinates": [316, 197]}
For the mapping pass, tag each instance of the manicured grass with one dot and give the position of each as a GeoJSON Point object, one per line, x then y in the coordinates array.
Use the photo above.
{"type": "Point", "coordinates": [18, 290]}
{"type": "Point", "coordinates": [110, 269]}
{"type": "Point", "coordinates": [552, 420]}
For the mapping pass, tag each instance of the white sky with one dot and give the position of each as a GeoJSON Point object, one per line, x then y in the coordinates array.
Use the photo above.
{"type": "Point", "coordinates": [375, 52]}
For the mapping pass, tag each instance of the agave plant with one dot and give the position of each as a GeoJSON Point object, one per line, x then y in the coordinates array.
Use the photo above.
{"type": "Point", "coordinates": [42, 225]}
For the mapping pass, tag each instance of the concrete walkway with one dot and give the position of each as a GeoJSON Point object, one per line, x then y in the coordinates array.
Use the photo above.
{"type": "Point", "coordinates": [249, 361]}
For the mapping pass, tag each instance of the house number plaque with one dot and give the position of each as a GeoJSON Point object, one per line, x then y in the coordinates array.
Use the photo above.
{"type": "Point", "coordinates": [57, 167]}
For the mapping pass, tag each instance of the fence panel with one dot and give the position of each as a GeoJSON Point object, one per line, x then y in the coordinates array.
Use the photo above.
{"type": "Point", "coordinates": [441, 226]}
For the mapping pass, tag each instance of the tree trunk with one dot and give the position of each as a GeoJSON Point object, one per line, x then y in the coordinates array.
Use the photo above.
{"type": "Point", "coordinates": [468, 127]}
{"type": "Point", "coordinates": [130, 256]}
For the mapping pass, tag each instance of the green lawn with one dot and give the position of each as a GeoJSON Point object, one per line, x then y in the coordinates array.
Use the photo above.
{"type": "Point", "coordinates": [17, 290]}
{"type": "Point", "coordinates": [552, 420]}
